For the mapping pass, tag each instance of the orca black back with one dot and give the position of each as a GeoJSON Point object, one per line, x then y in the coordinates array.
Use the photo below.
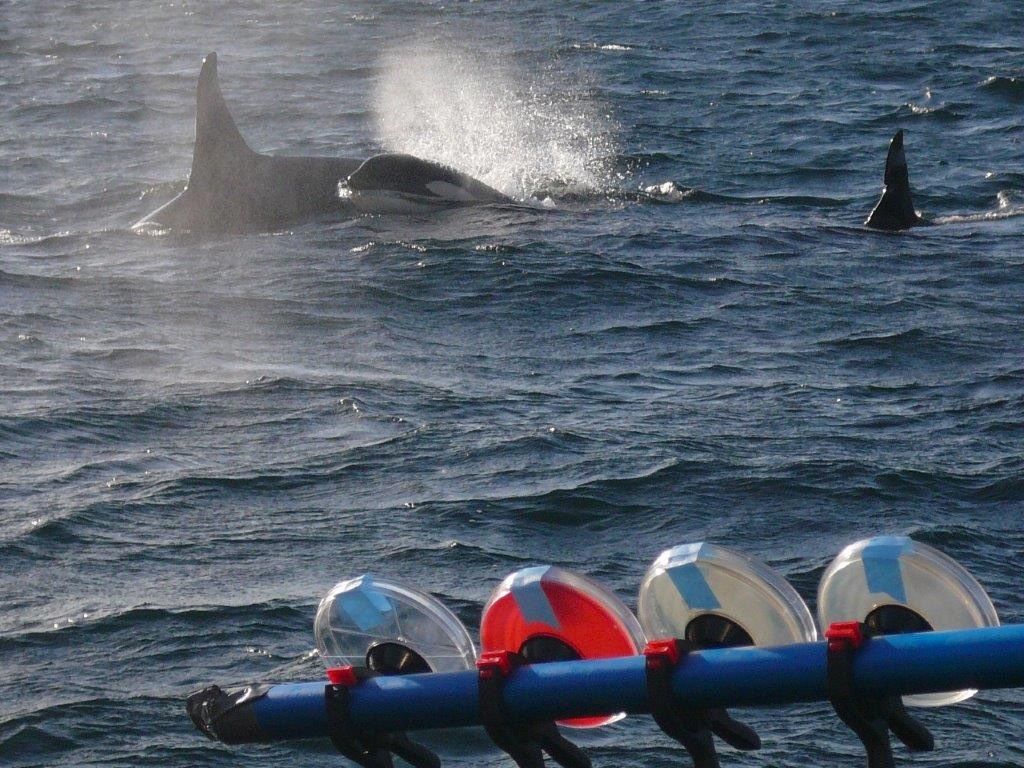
{"type": "Point", "coordinates": [232, 188]}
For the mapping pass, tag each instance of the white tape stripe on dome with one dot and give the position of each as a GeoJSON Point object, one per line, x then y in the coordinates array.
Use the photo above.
{"type": "Point", "coordinates": [693, 587]}
{"type": "Point", "coordinates": [882, 572]}
{"type": "Point", "coordinates": [367, 607]}
{"type": "Point", "coordinates": [529, 595]}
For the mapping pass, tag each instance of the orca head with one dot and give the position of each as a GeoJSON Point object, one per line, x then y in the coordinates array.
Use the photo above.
{"type": "Point", "coordinates": [397, 182]}
{"type": "Point", "coordinates": [895, 209]}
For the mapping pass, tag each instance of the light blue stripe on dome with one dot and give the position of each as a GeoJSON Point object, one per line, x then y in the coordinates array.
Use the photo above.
{"type": "Point", "coordinates": [882, 566]}
{"type": "Point", "coordinates": [367, 607]}
{"type": "Point", "coordinates": [530, 597]}
{"type": "Point", "coordinates": [693, 587]}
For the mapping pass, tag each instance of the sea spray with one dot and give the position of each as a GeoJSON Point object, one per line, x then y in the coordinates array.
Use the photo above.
{"type": "Point", "coordinates": [525, 132]}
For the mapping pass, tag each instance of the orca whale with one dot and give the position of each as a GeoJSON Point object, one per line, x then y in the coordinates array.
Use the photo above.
{"type": "Point", "coordinates": [895, 208]}
{"type": "Point", "coordinates": [232, 188]}
{"type": "Point", "coordinates": [398, 183]}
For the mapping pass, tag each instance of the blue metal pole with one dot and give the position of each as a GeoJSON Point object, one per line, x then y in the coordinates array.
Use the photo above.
{"type": "Point", "coordinates": [897, 664]}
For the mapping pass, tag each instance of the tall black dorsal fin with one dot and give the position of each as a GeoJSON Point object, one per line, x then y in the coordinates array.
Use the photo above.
{"type": "Point", "coordinates": [219, 146]}
{"type": "Point", "coordinates": [895, 209]}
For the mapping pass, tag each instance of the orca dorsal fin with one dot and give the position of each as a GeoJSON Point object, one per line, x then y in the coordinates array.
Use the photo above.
{"type": "Point", "coordinates": [219, 146]}
{"type": "Point", "coordinates": [895, 209]}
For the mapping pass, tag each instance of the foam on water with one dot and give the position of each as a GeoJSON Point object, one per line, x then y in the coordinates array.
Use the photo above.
{"type": "Point", "coordinates": [1007, 209]}
{"type": "Point", "coordinates": [524, 132]}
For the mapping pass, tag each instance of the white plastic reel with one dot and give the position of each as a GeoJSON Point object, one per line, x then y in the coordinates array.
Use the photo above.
{"type": "Point", "coordinates": [715, 597]}
{"type": "Point", "coordinates": [390, 627]}
{"type": "Point", "coordinates": [895, 585]}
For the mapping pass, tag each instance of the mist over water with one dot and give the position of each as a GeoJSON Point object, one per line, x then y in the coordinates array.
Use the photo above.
{"type": "Point", "coordinates": [522, 131]}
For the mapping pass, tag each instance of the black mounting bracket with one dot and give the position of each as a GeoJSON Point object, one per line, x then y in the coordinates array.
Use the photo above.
{"type": "Point", "coordinates": [693, 728]}
{"type": "Point", "coordinates": [366, 748]}
{"type": "Point", "coordinates": [871, 718]}
{"type": "Point", "coordinates": [524, 742]}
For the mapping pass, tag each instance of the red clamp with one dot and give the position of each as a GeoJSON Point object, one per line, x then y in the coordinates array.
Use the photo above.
{"type": "Point", "coordinates": [497, 664]}
{"type": "Point", "coordinates": [663, 653]}
{"type": "Point", "coordinates": [843, 635]}
{"type": "Point", "coordinates": [346, 676]}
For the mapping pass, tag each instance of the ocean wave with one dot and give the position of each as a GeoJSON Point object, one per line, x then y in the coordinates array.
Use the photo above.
{"type": "Point", "coordinates": [645, 329]}
{"type": "Point", "coordinates": [988, 486]}
{"type": "Point", "coordinates": [802, 201]}
{"type": "Point", "coordinates": [590, 499]}
{"type": "Point", "coordinates": [1014, 178]}
{"type": "Point", "coordinates": [631, 161]}
{"type": "Point", "coordinates": [957, 537]}
{"type": "Point", "coordinates": [669, 192]}
{"type": "Point", "coordinates": [16, 207]}
{"type": "Point", "coordinates": [982, 45]}
{"type": "Point", "coordinates": [65, 47]}
{"type": "Point", "coordinates": [22, 741]}
{"type": "Point", "coordinates": [661, 193]}
{"type": "Point", "coordinates": [911, 112]}
{"type": "Point", "coordinates": [96, 423]}
{"type": "Point", "coordinates": [61, 240]}
{"type": "Point", "coordinates": [673, 192]}
{"type": "Point", "coordinates": [866, 481]}
{"type": "Point", "coordinates": [1008, 208]}
{"type": "Point", "coordinates": [51, 730]}
{"type": "Point", "coordinates": [613, 280]}
{"type": "Point", "coordinates": [127, 356]}
{"type": "Point", "coordinates": [22, 280]}
{"type": "Point", "coordinates": [915, 340]}
{"type": "Point", "coordinates": [1009, 88]}
{"type": "Point", "coordinates": [77, 108]}
{"type": "Point", "coordinates": [211, 622]}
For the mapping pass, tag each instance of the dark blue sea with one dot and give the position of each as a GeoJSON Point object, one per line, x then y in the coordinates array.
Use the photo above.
{"type": "Point", "coordinates": [687, 334]}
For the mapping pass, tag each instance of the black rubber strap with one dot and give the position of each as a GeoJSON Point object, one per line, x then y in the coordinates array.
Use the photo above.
{"type": "Point", "coordinates": [370, 749]}
{"type": "Point", "coordinates": [525, 743]}
{"type": "Point", "coordinates": [693, 728]}
{"type": "Point", "coordinates": [684, 725]}
{"type": "Point", "coordinates": [357, 747]}
{"type": "Point", "coordinates": [870, 718]}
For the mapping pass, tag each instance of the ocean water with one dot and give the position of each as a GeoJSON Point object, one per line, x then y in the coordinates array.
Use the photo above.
{"type": "Point", "coordinates": [686, 335]}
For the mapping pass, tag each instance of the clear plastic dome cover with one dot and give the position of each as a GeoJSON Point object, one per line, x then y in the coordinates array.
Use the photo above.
{"type": "Point", "coordinates": [367, 612]}
{"type": "Point", "coordinates": [559, 615]}
{"type": "Point", "coordinates": [877, 575]}
{"type": "Point", "coordinates": [692, 581]}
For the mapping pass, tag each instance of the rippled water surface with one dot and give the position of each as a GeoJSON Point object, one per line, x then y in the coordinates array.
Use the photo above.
{"type": "Point", "coordinates": [685, 335]}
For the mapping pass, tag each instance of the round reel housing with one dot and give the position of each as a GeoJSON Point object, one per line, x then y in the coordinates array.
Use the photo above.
{"type": "Point", "coordinates": [718, 598]}
{"type": "Point", "coordinates": [895, 585]}
{"type": "Point", "coordinates": [549, 613]}
{"type": "Point", "coordinates": [390, 627]}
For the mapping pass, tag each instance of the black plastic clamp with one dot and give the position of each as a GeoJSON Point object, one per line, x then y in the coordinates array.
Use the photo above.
{"type": "Point", "coordinates": [524, 742]}
{"type": "Point", "coordinates": [871, 718]}
{"type": "Point", "coordinates": [693, 728]}
{"type": "Point", "coordinates": [368, 749]}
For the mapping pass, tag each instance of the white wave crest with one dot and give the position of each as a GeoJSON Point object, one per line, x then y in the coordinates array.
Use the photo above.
{"type": "Point", "coordinates": [669, 190]}
{"type": "Point", "coordinates": [1007, 208]}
